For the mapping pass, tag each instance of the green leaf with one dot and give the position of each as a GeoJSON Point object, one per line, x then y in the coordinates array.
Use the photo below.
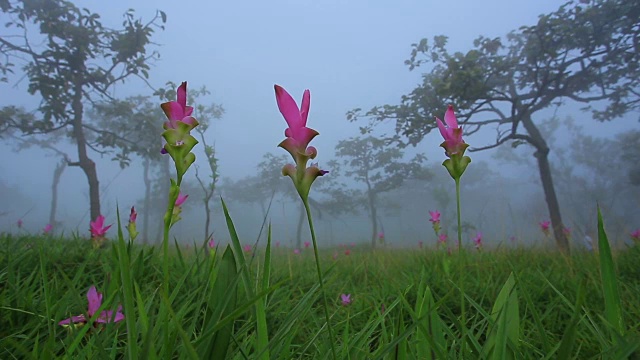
{"type": "Point", "coordinates": [505, 328]}
{"type": "Point", "coordinates": [612, 308]}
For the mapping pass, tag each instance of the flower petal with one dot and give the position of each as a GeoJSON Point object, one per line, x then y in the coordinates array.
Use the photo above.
{"type": "Point", "coordinates": [182, 94]}
{"type": "Point", "coordinates": [450, 117]}
{"type": "Point", "coordinates": [95, 300]}
{"type": "Point", "coordinates": [288, 107]}
{"type": "Point", "coordinates": [304, 107]}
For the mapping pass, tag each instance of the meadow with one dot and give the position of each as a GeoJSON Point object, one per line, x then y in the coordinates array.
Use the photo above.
{"type": "Point", "coordinates": [521, 303]}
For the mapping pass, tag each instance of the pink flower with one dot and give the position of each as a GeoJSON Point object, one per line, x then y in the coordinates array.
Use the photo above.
{"type": "Point", "coordinates": [420, 243]}
{"type": "Point", "coordinates": [635, 236]}
{"type": "Point", "coordinates": [567, 231]}
{"type": "Point", "coordinates": [133, 215]}
{"type": "Point", "coordinates": [347, 252]}
{"type": "Point", "coordinates": [278, 243]}
{"type": "Point", "coordinates": [298, 134]}
{"type": "Point", "coordinates": [435, 216]}
{"type": "Point", "coordinates": [296, 251]}
{"type": "Point", "coordinates": [353, 244]}
{"type": "Point", "coordinates": [335, 256]}
{"type": "Point", "coordinates": [19, 223]}
{"type": "Point", "coordinates": [181, 199]}
{"type": "Point", "coordinates": [95, 301]}
{"type": "Point", "coordinates": [442, 239]}
{"type": "Point", "coordinates": [178, 110]}
{"type": "Point", "coordinates": [381, 235]}
{"type": "Point", "coordinates": [477, 241]}
{"type": "Point", "coordinates": [47, 229]}
{"type": "Point", "coordinates": [452, 133]}
{"type": "Point", "coordinates": [97, 227]}
{"type": "Point", "coordinates": [306, 244]}
{"type": "Point", "coordinates": [346, 299]}
{"type": "Point", "coordinates": [211, 243]}
{"type": "Point", "coordinates": [247, 248]}
{"type": "Point", "coordinates": [544, 226]}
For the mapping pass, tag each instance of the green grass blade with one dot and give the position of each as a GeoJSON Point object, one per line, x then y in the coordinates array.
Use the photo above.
{"type": "Point", "coordinates": [612, 308]}
{"type": "Point", "coordinates": [505, 328]}
{"type": "Point", "coordinates": [127, 289]}
{"type": "Point", "coordinates": [262, 340]}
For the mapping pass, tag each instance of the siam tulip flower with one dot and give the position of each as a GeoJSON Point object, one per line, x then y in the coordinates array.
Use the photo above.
{"type": "Point", "coordinates": [442, 239]}
{"type": "Point", "coordinates": [353, 244]}
{"type": "Point", "coordinates": [47, 229]}
{"type": "Point", "coordinates": [381, 236]}
{"type": "Point", "coordinates": [131, 227]}
{"type": "Point", "coordinates": [435, 216]}
{"type": "Point", "coordinates": [477, 241]}
{"type": "Point", "coordinates": [544, 226]}
{"type": "Point", "coordinates": [177, 132]}
{"type": "Point", "coordinates": [420, 243]}
{"type": "Point", "coordinates": [296, 251]}
{"type": "Point", "coordinates": [211, 243]}
{"type": "Point", "coordinates": [635, 236]}
{"type": "Point", "coordinates": [306, 244]}
{"type": "Point", "coordinates": [97, 228]}
{"type": "Point", "coordinates": [247, 248]}
{"type": "Point", "coordinates": [95, 301]}
{"type": "Point", "coordinates": [347, 252]}
{"type": "Point", "coordinates": [346, 299]}
{"type": "Point", "coordinates": [19, 223]}
{"type": "Point", "coordinates": [278, 243]}
{"type": "Point", "coordinates": [454, 146]}
{"type": "Point", "coordinates": [513, 239]}
{"type": "Point", "coordinates": [567, 232]}
{"type": "Point", "coordinates": [298, 137]}
{"type": "Point", "coordinates": [180, 200]}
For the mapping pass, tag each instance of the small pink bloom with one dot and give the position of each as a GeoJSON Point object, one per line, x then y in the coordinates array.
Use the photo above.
{"type": "Point", "coordinates": [247, 248]}
{"type": "Point", "coordinates": [353, 244]}
{"type": "Point", "coordinates": [435, 216]}
{"type": "Point", "coordinates": [178, 110]}
{"type": "Point", "coordinates": [544, 226]}
{"type": "Point", "coordinates": [47, 229]}
{"type": "Point", "coordinates": [95, 301]}
{"type": "Point", "coordinates": [566, 231]}
{"type": "Point", "coordinates": [477, 241]}
{"type": "Point", "coordinates": [306, 244]}
{"type": "Point", "coordinates": [346, 299]}
{"type": "Point", "coordinates": [97, 227]}
{"type": "Point", "coordinates": [277, 243]}
{"type": "Point", "coordinates": [635, 236]}
{"type": "Point", "coordinates": [513, 239]}
{"type": "Point", "coordinates": [335, 256]}
{"type": "Point", "coordinates": [181, 199]}
{"type": "Point", "coordinates": [296, 251]}
{"type": "Point", "coordinates": [19, 223]}
{"type": "Point", "coordinates": [420, 243]}
{"type": "Point", "coordinates": [442, 239]}
{"type": "Point", "coordinates": [452, 133]}
{"type": "Point", "coordinates": [211, 243]}
{"type": "Point", "coordinates": [347, 252]}
{"type": "Point", "coordinates": [133, 215]}
{"type": "Point", "coordinates": [381, 235]}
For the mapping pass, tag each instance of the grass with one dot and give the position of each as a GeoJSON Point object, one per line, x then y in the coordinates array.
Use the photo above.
{"type": "Point", "coordinates": [520, 303]}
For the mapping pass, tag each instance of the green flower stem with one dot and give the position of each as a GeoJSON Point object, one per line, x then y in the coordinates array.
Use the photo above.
{"type": "Point", "coordinates": [463, 317]}
{"type": "Point", "coordinates": [324, 293]}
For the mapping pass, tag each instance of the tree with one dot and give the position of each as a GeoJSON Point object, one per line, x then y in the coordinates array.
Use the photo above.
{"type": "Point", "coordinates": [588, 54]}
{"type": "Point", "coordinates": [74, 60]}
{"type": "Point", "coordinates": [371, 161]}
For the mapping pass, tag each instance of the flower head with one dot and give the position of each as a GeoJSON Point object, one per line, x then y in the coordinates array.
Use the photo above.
{"type": "Point", "coordinates": [47, 228]}
{"type": "Point", "coordinates": [420, 244]}
{"type": "Point", "coordinates": [347, 252]}
{"type": "Point", "coordinates": [544, 226]}
{"type": "Point", "coordinates": [346, 299]}
{"type": "Point", "coordinates": [247, 248]}
{"type": "Point", "coordinates": [180, 200]}
{"type": "Point", "coordinates": [211, 243]}
{"type": "Point", "coordinates": [19, 223]}
{"type": "Point", "coordinates": [477, 241]}
{"type": "Point", "coordinates": [635, 236]}
{"type": "Point", "coordinates": [296, 251]}
{"type": "Point", "coordinates": [566, 231]}
{"type": "Point", "coordinates": [298, 136]}
{"type": "Point", "coordinates": [178, 110]}
{"type": "Point", "coordinates": [442, 239]}
{"type": "Point", "coordinates": [131, 227]}
{"type": "Point", "coordinates": [435, 216]}
{"type": "Point", "coordinates": [95, 301]}
{"type": "Point", "coordinates": [133, 215]}
{"type": "Point", "coordinates": [97, 227]}
{"type": "Point", "coordinates": [278, 243]}
{"type": "Point", "coordinates": [307, 244]}
{"type": "Point", "coordinates": [452, 133]}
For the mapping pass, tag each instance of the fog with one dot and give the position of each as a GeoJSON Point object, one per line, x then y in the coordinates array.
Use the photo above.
{"type": "Point", "coordinates": [349, 54]}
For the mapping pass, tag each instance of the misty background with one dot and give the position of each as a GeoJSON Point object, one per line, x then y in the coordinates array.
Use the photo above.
{"type": "Point", "coordinates": [350, 54]}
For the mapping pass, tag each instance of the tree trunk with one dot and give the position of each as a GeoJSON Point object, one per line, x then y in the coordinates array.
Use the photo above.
{"type": "Point", "coordinates": [85, 163]}
{"type": "Point", "coordinates": [57, 173]}
{"type": "Point", "coordinates": [374, 219]}
{"type": "Point", "coordinates": [147, 202]}
{"type": "Point", "coordinates": [542, 155]}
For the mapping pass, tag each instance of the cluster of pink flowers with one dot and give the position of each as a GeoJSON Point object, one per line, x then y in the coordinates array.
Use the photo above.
{"type": "Point", "coordinates": [95, 301]}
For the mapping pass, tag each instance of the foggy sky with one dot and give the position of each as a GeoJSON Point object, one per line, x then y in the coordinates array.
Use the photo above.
{"type": "Point", "coordinates": [348, 53]}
